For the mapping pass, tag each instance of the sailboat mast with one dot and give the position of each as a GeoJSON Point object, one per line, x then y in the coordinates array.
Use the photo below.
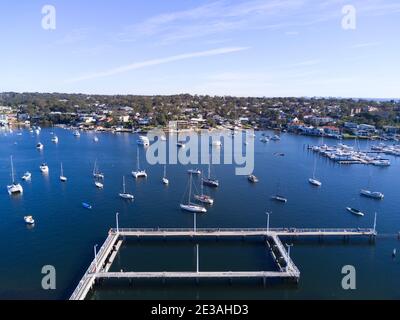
{"type": "Point", "coordinates": [12, 170]}
{"type": "Point", "coordinates": [190, 189]}
{"type": "Point", "coordinates": [165, 171]}
{"type": "Point", "coordinates": [62, 171]}
{"type": "Point", "coordinates": [137, 159]}
{"type": "Point", "coordinates": [123, 184]}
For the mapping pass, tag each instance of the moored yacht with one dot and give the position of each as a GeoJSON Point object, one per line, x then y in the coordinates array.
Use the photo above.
{"type": "Point", "coordinates": [279, 198]}
{"type": "Point", "coordinates": [62, 177]}
{"type": "Point", "coordinates": [190, 207]}
{"type": "Point", "coordinates": [124, 194]}
{"type": "Point", "coordinates": [194, 171]}
{"type": "Point", "coordinates": [15, 188]}
{"type": "Point", "coordinates": [252, 178]}
{"type": "Point", "coordinates": [372, 194]}
{"type": "Point", "coordinates": [165, 180]}
{"type": "Point", "coordinates": [77, 134]}
{"type": "Point", "coordinates": [210, 182]}
{"type": "Point", "coordinates": [355, 212]}
{"type": "Point", "coordinates": [203, 198]}
{"type": "Point", "coordinates": [96, 173]}
{"type": "Point", "coordinates": [139, 173]}
{"type": "Point", "coordinates": [27, 176]}
{"type": "Point", "coordinates": [44, 168]}
{"type": "Point", "coordinates": [29, 220]}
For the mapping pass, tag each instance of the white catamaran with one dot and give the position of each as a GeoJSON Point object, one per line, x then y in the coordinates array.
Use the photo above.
{"type": "Point", "coordinates": [139, 173]}
{"type": "Point", "coordinates": [15, 188]}
{"type": "Point", "coordinates": [191, 207]}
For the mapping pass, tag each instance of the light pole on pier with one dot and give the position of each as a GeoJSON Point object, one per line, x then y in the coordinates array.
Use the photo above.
{"type": "Point", "coordinates": [197, 259]}
{"type": "Point", "coordinates": [117, 221]}
{"type": "Point", "coordinates": [95, 258]}
{"type": "Point", "coordinates": [289, 264]}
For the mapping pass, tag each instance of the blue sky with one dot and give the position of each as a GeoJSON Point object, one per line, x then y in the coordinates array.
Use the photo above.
{"type": "Point", "coordinates": [215, 47]}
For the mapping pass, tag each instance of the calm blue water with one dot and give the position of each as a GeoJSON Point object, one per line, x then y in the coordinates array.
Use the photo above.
{"type": "Point", "coordinates": [65, 233]}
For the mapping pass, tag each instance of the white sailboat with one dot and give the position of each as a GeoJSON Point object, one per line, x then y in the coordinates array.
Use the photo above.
{"type": "Point", "coordinates": [165, 179]}
{"type": "Point", "coordinates": [40, 146]}
{"type": "Point", "coordinates": [190, 207]}
{"type": "Point", "coordinates": [209, 182]}
{"type": "Point", "coordinates": [98, 184]}
{"type": "Point", "coordinates": [15, 188]}
{"type": "Point", "coordinates": [139, 173]}
{"type": "Point", "coordinates": [278, 197]}
{"type": "Point", "coordinates": [96, 173]}
{"type": "Point", "coordinates": [313, 181]}
{"type": "Point", "coordinates": [203, 198]}
{"type": "Point", "coordinates": [62, 177]}
{"type": "Point", "coordinates": [44, 168]}
{"type": "Point", "coordinates": [371, 194]}
{"type": "Point", "coordinates": [124, 194]}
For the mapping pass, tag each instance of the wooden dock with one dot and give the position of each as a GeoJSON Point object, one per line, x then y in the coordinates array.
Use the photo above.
{"type": "Point", "coordinates": [100, 266]}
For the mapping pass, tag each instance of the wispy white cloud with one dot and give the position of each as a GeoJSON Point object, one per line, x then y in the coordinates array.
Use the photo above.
{"type": "Point", "coordinates": [74, 36]}
{"type": "Point", "coordinates": [366, 45]}
{"type": "Point", "coordinates": [154, 62]}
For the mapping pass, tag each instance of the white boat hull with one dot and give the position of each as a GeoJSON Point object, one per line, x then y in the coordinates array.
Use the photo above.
{"type": "Point", "coordinates": [127, 196]}
{"type": "Point", "coordinates": [15, 189]}
{"type": "Point", "coordinates": [315, 182]}
{"type": "Point", "coordinates": [193, 208]}
{"type": "Point", "coordinates": [139, 174]}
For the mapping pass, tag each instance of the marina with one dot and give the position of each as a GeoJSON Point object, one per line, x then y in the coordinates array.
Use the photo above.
{"type": "Point", "coordinates": [64, 212]}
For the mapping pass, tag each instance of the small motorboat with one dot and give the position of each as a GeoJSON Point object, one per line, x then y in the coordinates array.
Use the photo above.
{"type": "Point", "coordinates": [194, 171]}
{"type": "Point", "coordinates": [27, 176]}
{"type": "Point", "coordinates": [54, 139]}
{"type": "Point", "coordinates": [29, 220]}
{"type": "Point", "coordinates": [165, 181]}
{"type": "Point", "coordinates": [87, 206]}
{"type": "Point", "coordinates": [279, 198]}
{"type": "Point", "coordinates": [394, 253]}
{"type": "Point", "coordinates": [77, 134]}
{"type": "Point", "coordinates": [40, 146]}
{"type": "Point", "coordinates": [96, 139]}
{"type": "Point", "coordinates": [355, 212]}
{"type": "Point", "coordinates": [253, 179]}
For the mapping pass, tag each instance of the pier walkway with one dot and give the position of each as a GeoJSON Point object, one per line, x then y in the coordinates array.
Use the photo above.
{"type": "Point", "coordinates": [100, 266]}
